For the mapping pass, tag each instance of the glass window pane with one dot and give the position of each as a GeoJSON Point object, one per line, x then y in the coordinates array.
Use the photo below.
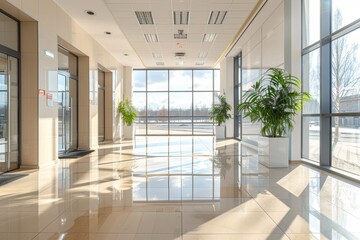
{"type": "Point", "coordinates": [175, 187]}
{"type": "Point", "coordinates": [311, 22]}
{"type": "Point", "coordinates": [180, 80]}
{"type": "Point", "coordinates": [202, 103]}
{"type": "Point", "coordinates": [139, 80]}
{"type": "Point", "coordinates": [140, 126]}
{"type": "Point", "coordinates": [157, 80]}
{"type": "Point", "coordinates": [311, 138]}
{"type": "Point", "coordinates": [216, 80]}
{"type": "Point", "coordinates": [157, 104]}
{"type": "Point", "coordinates": [181, 125]}
{"type": "Point", "coordinates": [345, 73]}
{"type": "Point", "coordinates": [203, 80]}
{"type": "Point", "coordinates": [9, 32]}
{"type": "Point", "coordinates": [158, 188]}
{"type": "Point", "coordinates": [157, 125]}
{"type": "Point", "coordinates": [345, 143]}
{"type": "Point", "coordinates": [344, 12]}
{"type": "Point", "coordinates": [203, 187]}
{"type": "Point", "coordinates": [139, 101]}
{"type": "Point", "coordinates": [311, 81]}
{"type": "Point", "coordinates": [180, 103]}
{"type": "Point", "coordinates": [203, 126]}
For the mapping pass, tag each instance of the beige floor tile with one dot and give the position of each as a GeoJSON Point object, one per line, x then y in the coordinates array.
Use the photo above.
{"type": "Point", "coordinates": [235, 236]}
{"type": "Point", "coordinates": [250, 222]}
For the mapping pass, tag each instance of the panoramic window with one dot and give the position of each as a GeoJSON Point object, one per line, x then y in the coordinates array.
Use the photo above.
{"type": "Point", "coordinates": [333, 79]}
{"type": "Point", "coordinates": [175, 102]}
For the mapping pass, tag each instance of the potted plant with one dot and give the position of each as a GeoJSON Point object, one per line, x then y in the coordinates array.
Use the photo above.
{"type": "Point", "coordinates": [274, 101]}
{"type": "Point", "coordinates": [128, 116]}
{"type": "Point", "coordinates": [220, 113]}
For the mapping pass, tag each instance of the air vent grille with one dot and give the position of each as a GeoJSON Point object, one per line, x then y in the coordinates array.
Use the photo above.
{"type": "Point", "coordinates": [144, 17]}
{"type": "Point", "coordinates": [151, 37]}
{"type": "Point", "coordinates": [181, 17]}
{"type": "Point", "coordinates": [209, 37]}
{"type": "Point", "coordinates": [180, 54]}
{"type": "Point", "coordinates": [217, 17]}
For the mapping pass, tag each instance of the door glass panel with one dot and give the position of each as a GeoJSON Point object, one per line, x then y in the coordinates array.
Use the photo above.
{"type": "Point", "coordinates": [61, 111]}
{"type": "Point", "coordinates": [73, 126]}
{"type": "Point", "coordinates": [101, 106]}
{"type": "Point", "coordinates": [14, 98]}
{"type": "Point", "coordinates": [3, 112]}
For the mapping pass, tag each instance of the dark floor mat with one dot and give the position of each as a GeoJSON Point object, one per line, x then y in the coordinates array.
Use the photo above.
{"type": "Point", "coordinates": [8, 178]}
{"type": "Point", "coordinates": [75, 154]}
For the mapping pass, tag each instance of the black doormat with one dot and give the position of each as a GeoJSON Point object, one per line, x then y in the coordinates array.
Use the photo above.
{"type": "Point", "coordinates": [75, 154]}
{"type": "Point", "coordinates": [8, 178]}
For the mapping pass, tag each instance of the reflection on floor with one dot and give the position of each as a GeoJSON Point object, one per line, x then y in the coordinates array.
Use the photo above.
{"type": "Point", "coordinates": [178, 188]}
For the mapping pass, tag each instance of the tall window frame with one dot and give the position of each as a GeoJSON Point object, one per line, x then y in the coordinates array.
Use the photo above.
{"type": "Point", "coordinates": [324, 119]}
{"type": "Point", "coordinates": [195, 121]}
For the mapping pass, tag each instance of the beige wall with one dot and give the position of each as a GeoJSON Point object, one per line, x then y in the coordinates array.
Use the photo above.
{"type": "Point", "coordinates": [54, 24]}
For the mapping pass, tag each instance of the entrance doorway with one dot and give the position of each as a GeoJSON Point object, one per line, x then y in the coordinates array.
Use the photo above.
{"type": "Point", "coordinates": [101, 106]}
{"type": "Point", "coordinates": [67, 102]}
{"type": "Point", "coordinates": [9, 107]}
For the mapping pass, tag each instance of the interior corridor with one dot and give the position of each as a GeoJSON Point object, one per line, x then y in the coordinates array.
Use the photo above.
{"type": "Point", "coordinates": [177, 188]}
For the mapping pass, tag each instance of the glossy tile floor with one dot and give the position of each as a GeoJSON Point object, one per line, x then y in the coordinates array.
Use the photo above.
{"type": "Point", "coordinates": [177, 188]}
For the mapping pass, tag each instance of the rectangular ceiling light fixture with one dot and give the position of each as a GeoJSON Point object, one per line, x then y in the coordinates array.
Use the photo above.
{"type": "Point", "coordinates": [156, 55]}
{"type": "Point", "coordinates": [160, 63]}
{"type": "Point", "coordinates": [181, 17]}
{"type": "Point", "coordinates": [198, 63]}
{"type": "Point", "coordinates": [150, 37]}
{"type": "Point", "coordinates": [217, 17]}
{"type": "Point", "coordinates": [203, 55]}
{"type": "Point", "coordinates": [209, 37]}
{"type": "Point", "coordinates": [144, 17]}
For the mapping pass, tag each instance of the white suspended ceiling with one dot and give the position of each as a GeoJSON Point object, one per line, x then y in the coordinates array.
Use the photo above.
{"type": "Point", "coordinates": [154, 45]}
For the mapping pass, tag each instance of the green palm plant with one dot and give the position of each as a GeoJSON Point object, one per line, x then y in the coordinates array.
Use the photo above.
{"type": "Point", "coordinates": [220, 112]}
{"type": "Point", "coordinates": [274, 101]}
{"type": "Point", "coordinates": [127, 111]}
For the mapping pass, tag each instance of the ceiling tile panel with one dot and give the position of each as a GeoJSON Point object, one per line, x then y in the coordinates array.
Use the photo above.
{"type": "Point", "coordinates": [119, 17]}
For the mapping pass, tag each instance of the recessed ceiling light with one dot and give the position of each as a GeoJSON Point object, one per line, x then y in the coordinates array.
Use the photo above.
{"type": "Point", "coordinates": [108, 33]}
{"type": "Point", "coordinates": [203, 55]}
{"type": "Point", "coordinates": [156, 55]}
{"type": "Point", "coordinates": [181, 17]}
{"type": "Point", "coordinates": [199, 63]}
{"type": "Point", "coordinates": [144, 17]}
{"type": "Point", "coordinates": [209, 37]}
{"type": "Point", "coordinates": [159, 63]}
{"type": "Point", "coordinates": [217, 17]}
{"type": "Point", "coordinates": [180, 63]}
{"type": "Point", "coordinates": [150, 37]}
{"type": "Point", "coordinates": [89, 12]}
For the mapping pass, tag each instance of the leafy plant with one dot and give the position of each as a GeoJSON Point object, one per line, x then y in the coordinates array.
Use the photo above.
{"type": "Point", "coordinates": [274, 101]}
{"type": "Point", "coordinates": [220, 111]}
{"type": "Point", "coordinates": [127, 111]}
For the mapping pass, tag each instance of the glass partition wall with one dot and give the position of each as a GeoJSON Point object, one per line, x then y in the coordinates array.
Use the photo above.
{"type": "Point", "coordinates": [174, 102]}
{"type": "Point", "coordinates": [331, 55]}
{"type": "Point", "coordinates": [9, 94]}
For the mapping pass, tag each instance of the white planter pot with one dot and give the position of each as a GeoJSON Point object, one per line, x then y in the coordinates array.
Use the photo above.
{"type": "Point", "coordinates": [128, 132]}
{"type": "Point", "coordinates": [274, 152]}
{"type": "Point", "coordinates": [220, 132]}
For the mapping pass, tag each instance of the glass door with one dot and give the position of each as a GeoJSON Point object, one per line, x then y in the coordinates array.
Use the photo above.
{"type": "Point", "coordinates": [101, 106]}
{"type": "Point", "coordinates": [67, 113]}
{"type": "Point", "coordinates": [9, 159]}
